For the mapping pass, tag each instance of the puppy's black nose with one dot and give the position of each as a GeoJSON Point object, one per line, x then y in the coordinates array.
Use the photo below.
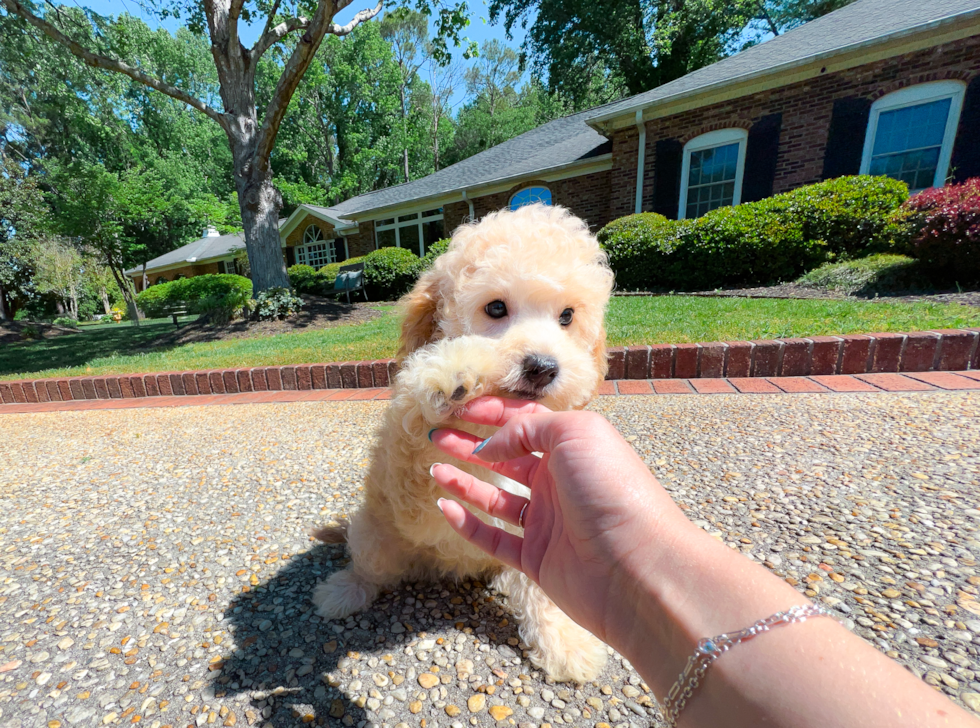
{"type": "Point", "coordinates": [540, 371]}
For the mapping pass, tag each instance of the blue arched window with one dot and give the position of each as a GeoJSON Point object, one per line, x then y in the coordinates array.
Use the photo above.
{"type": "Point", "coordinates": [530, 195]}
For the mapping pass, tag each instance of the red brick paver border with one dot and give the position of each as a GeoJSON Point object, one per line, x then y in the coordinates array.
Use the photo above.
{"type": "Point", "coordinates": [964, 381]}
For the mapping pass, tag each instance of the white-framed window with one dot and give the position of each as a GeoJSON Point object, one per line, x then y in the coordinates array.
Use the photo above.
{"type": "Point", "coordinates": [530, 195]}
{"type": "Point", "coordinates": [415, 231]}
{"type": "Point", "coordinates": [911, 131]}
{"type": "Point", "coordinates": [316, 251]}
{"type": "Point", "coordinates": [711, 173]}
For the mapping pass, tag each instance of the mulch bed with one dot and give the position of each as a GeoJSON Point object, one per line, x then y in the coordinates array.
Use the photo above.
{"type": "Point", "coordinates": [11, 331]}
{"type": "Point", "coordinates": [793, 290]}
{"type": "Point", "coordinates": [317, 313]}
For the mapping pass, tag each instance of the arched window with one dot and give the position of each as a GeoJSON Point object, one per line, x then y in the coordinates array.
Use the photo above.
{"type": "Point", "coordinates": [530, 195]}
{"type": "Point", "coordinates": [910, 134]}
{"type": "Point", "coordinates": [161, 279]}
{"type": "Point", "coordinates": [316, 250]}
{"type": "Point", "coordinates": [179, 277]}
{"type": "Point", "coordinates": [711, 175]}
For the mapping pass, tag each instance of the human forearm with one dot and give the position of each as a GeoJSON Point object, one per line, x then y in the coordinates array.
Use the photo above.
{"type": "Point", "coordinates": [814, 673]}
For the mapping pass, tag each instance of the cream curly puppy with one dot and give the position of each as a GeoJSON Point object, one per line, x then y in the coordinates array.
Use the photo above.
{"type": "Point", "coordinates": [515, 307]}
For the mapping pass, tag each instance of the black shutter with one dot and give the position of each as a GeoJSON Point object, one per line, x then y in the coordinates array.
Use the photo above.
{"type": "Point", "coordinates": [845, 140]}
{"type": "Point", "coordinates": [760, 158]}
{"type": "Point", "coordinates": [966, 150]}
{"type": "Point", "coordinates": [667, 177]}
{"type": "Point", "coordinates": [290, 256]}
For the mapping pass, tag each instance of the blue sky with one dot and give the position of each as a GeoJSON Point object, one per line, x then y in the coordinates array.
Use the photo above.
{"type": "Point", "coordinates": [478, 30]}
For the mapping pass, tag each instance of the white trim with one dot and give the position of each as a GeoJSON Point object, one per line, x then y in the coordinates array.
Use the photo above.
{"type": "Point", "coordinates": [720, 138]}
{"type": "Point", "coordinates": [816, 59]}
{"type": "Point", "coordinates": [293, 221]}
{"type": "Point", "coordinates": [419, 221]}
{"type": "Point", "coordinates": [922, 93]}
{"type": "Point", "coordinates": [510, 201]}
{"type": "Point", "coordinates": [640, 160]}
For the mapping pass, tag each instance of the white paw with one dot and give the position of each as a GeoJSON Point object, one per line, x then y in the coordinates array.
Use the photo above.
{"type": "Point", "coordinates": [342, 595]}
{"type": "Point", "coordinates": [570, 655]}
{"type": "Point", "coordinates": [451, 373]}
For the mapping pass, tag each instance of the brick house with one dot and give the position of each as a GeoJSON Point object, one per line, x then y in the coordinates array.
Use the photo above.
{"type": "Point", "coordinates": [878, 87]}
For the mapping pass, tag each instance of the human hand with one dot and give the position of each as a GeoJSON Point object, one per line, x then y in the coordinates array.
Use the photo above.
{"type": "Point", "coordinates": [595, 508]}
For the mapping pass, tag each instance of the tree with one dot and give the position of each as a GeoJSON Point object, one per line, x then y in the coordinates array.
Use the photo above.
{"type": "Point", "coordinates": [640, 43]}
{"type": "Point", "coordinates": [251, 134]}
{"type": "Point", "coordinates": [23, 221]}
{"type": "Point", "coordinates": [443, 80]}
{"type": "Point", "coordinates": [59, 269]}
{"type": "Point", "coordinates": [407, 32]}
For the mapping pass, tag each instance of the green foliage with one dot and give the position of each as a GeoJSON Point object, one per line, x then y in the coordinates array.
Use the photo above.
{"type": "Point", "coordinates": [330, 270]}
{"type": "Point", "coordinates": [23, 220]}
{"type": "Point", "coordinates": [772, 240]}
{"type": "Point", "coordinates": [390, 272]}
{"type": "Point", "coordinates": [222, 296]}
{"type": "Point", "coordinates": [638, 247]}
{"type": "Point", "coordinates": [276, 303]}
{"type": "Point", "coordinates": [878, 273]}
{"type": "Point", "coordinates": [306, 279]}
{"type": "Point", "coordinates": [66, 321]}
{"type": "Point", "coordinates": [434, 251]}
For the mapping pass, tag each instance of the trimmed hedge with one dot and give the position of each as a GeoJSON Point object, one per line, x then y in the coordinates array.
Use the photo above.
{"type": "Point", "coordinates": [945, 225]}
{"type": "Point", "coordinates": [305, 279]}
{"type": "Point", "coordinates": [434, 251]}
{"type": "Point", "coordinates": [771, 240]}
{"type": "Point", "coordinates": [390, 272]}
{"type": "Point", "coordinates": [223, 295]}
{"type": "Point", "coordinates": [330, 270]}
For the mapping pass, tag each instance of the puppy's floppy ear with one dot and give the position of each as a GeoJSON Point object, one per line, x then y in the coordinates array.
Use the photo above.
{"type": "Point", "coordinates": [420, 307]}
{"type": "Point", "coordinates": [599, 355]}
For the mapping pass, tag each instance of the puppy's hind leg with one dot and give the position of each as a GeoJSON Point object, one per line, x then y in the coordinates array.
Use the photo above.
{"type": "Point", "coordinates": [376, 562]}
{"type": "Point", "coordinates": [558, 645]}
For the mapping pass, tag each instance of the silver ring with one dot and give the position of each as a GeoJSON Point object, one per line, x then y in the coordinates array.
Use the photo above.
{"type": "Point", "coordinates": [520, 518]}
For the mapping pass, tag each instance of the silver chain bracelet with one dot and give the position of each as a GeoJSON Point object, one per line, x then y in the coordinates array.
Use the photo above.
{"type": "Point", "coordinates": [710, 649]}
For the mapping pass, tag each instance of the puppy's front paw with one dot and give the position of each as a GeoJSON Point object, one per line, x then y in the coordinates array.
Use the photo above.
{"type": "Point", "coordinates": [453, 373]}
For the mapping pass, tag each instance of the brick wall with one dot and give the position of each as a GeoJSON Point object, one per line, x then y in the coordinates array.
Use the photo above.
{"type": "Point", "coordinates": [806, 110]}
{"type": "Point", "coordinates": [362, 242]}
{"type": "Point", "coordinates": [188, 271]}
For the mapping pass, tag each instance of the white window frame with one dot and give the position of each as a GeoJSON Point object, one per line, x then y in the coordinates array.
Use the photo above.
{"type": "Point", "coordinates": [303, 252]}
{"type": "Point", "coordinates": [421, 218]}
{"type": "Point", "coordinates": [510, 202]}
{"type": "Point", "coordinates": [921, 93]}
{"type": "Point", "coordinates": [710, 140]}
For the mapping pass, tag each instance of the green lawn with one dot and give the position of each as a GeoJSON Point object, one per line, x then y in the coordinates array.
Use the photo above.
{"type": "Point", "coordinates": [640, 320]}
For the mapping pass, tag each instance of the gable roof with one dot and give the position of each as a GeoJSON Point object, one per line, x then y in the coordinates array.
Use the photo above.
{"type": "Point", "coordinates": [200, 250]}
{"type": "Point", "coordinates": [556, 144]}
{"type": "Point", "coordinates": [862, 23]}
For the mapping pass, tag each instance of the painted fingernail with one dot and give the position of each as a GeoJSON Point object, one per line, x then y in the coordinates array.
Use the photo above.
{"type": "Point", "coordinates": [433, 467]}
{"type": "Point", "coordinates": [434, 429]}
{"type": "Point", "coordinates": [481, 446]}
{"type": "Point", "coordinates": [439, 503]}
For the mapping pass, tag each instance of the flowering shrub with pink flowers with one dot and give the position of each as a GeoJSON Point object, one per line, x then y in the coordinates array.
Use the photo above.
{"type": "Point", "coordinates": [945, 225]}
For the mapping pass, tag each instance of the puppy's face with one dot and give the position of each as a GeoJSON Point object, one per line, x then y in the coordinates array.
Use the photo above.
{"type": "Point", "coordinates": [535, 282]}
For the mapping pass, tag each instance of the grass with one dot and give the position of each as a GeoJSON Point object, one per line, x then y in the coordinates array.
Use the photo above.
{"type": "Point", "coordinates": [880, 273]}
{"type": "Point", "coordinates": [632, 320]}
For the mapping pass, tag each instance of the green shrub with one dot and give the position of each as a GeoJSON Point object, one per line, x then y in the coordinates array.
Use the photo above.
{"type": "Point", "coordinates": [66, 321]}
{"type": "Point", "coordinates": [434, 251]}
{"type": "Point", "coordinates": [854, 216]}
{"type": "Point", "coordinates": [768, 241]}
{"type": "Point", "coordinates": [330, 270]}
{"type": "Point", "coordinates": [639, 247]}
{"type": "Point", "coordinates": [220, 295]}
{"type": "Point", "coordinates": [879, 273]}
{"type": "Point", "coordinates": [276, 303]}
{"type": "Point", "coordinates": [390, 272]}
{"type": "Point", "coordinates": [305, 279]}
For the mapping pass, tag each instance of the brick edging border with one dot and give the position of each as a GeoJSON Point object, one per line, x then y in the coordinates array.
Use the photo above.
{"type": "Point", "coordinates": [921, 351]}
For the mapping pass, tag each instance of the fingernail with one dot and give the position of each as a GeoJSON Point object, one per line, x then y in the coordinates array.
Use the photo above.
{"type": "Point", "coordinates": [433, 467]}
{"type": "Point", "coordinates": [481, 446]}
{"type": "Point", "coordinates": [430, 433]}
{"type": "Point", "coordinates": [439, 503]}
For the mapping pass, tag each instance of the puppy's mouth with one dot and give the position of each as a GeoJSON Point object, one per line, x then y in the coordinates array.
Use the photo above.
{"type": "Point", "coordinates": [525, 391]}
{"type": "Point", "coordinates": [537, 372]}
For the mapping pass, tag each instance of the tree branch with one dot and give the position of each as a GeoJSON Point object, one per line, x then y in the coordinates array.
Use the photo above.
{"type": "Point", "coordinates": [361, 17]}
{"type": "Point", "coordinates": [296, 66]}
{"type": "Point", "coordinates": [111, 64]}
{"type": "Point", "coordinates": [273, 35]}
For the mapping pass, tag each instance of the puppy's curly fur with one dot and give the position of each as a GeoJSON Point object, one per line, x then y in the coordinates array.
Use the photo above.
{"type": "Point", "coordinates": [539, 261]}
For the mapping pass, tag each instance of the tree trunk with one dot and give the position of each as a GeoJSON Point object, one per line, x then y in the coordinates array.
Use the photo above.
{"type": "Point", "coordinates": [104, 294]}
{"type": "Point", "coordinates": [435, 140]}
{"type": "Point", "coordinates": [125, 284]}
{"type": "Point", "coordinates": [5, 313]}
{"type": "Point", "coordinates": [404, 132]}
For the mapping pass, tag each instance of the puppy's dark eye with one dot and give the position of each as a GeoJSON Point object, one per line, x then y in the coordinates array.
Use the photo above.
{"type": "Point", "coordinates": [566, 317]}
{"type": "Point", "coordinates": [496, 309]}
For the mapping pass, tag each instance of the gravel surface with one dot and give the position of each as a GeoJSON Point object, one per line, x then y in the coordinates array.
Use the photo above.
{"type": "Point", "coordinates": [154, 566]}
